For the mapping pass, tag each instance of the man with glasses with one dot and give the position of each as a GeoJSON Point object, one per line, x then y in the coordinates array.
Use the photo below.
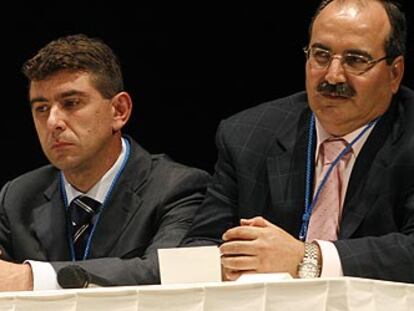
{"type": "Point", "coordinates": [321, 183]}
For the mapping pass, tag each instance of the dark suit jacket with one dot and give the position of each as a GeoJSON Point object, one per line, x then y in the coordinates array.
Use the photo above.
{"type": "Point", "coordinates": [151, 207]}
{"type": "Point", "coordinates": [261, 171]}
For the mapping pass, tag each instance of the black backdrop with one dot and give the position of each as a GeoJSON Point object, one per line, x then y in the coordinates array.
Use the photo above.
{"type": "Point", "coordinates": [186, 67]}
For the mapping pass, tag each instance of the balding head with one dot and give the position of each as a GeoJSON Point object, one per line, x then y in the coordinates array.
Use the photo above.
{"type": "Point", "coordinates": [395, 42]}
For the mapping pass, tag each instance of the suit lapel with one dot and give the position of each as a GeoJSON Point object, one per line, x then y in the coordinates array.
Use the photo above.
{"type": "Point", "coordinates": [49, 225]}
{"type": "Point", "coordinates": [123, 204]}
{"type": "Point", "coordinates": [286, 172]}
{"type": "Point", "coordinates": [375, 154]}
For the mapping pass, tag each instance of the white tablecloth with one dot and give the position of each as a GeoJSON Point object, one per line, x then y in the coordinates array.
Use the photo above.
{"type": "Point", "coordinates": [320, 294]}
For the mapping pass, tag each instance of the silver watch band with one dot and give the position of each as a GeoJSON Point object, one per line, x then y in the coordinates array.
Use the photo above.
{"type": "Point", "coordinates": [309, 267]}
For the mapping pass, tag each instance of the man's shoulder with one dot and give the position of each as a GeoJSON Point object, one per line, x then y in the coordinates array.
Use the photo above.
{"type": "Point", "coordinates": [166, 177]}
{"type": "Point", "coordinates": [160, 168]}
{"type": "Point", "coordinates": [273, 110]}
{"type": "Point", "coordinates": [406, 96]}
{"type": "Point", "coordinates": [274, 118]}
{"type": "Point", "coordinates": [32, 182]}
{"type": "Point", "coordinates": [403, 109]}
{"type": "Point", "coordinates": [165, 165]}
{"type": "Point", "coordinates": [36, 176]}
{"type": "Point", "coordinates": [406, 92]}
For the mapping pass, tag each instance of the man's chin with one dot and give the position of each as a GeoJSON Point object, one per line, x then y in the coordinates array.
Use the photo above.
{"type": "Point", "coordinates": [65, 163]}
{"type": "Point", "coordinates": [333, 121]}
{"type": "Point", "coordinates": [332, 113]}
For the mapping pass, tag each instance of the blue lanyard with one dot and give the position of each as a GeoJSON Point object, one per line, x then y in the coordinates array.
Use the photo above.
{"type": "Point", "coordinates": [309, 205]}
{"type": "Point", "coordinates": [108, 194]}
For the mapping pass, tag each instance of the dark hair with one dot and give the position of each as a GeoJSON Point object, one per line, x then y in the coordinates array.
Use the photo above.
{"type": "Point", "coordinates": [78, 52]}
{"type": "Point", "coordinates": [395, 44]}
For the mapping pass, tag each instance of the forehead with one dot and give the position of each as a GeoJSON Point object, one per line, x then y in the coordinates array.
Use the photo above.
{"type": "Point", "coordinates": [60, 82]}
{"type": "Point", "coordinates": [352, 24]}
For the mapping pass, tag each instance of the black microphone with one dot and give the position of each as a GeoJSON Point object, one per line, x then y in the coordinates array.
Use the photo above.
{"type": "Point", "coordinates": [74, 276]}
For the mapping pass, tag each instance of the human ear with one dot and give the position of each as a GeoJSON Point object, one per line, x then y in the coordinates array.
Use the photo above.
{"type": "Point", "coordinates": [397, 73]}
{"type": "Point", "coordinates": [121, 110]}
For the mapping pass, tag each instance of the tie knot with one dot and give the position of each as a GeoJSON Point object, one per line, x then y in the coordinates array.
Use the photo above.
{"type": "Point", "coordinates": [85, 203]}
{"type": "Point", "coordinates": [81, 210]}
{"type": "Point", "coordinates": [331, 148]}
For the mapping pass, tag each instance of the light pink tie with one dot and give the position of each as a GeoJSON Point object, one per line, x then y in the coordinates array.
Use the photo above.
{"type": "Point", "coordinates": [326, 214]}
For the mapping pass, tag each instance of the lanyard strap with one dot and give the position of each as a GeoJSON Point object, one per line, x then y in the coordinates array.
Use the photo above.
{"type": "Point", "coordinates": [309, 205]}
{"type": "Point", "coordinates": [99, 212]}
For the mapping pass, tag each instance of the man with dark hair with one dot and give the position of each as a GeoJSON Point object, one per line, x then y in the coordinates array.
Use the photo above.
{"type": "Point", "coordinates": [321, 183]}
{"type": "Point", "coordinates": [104, 203]}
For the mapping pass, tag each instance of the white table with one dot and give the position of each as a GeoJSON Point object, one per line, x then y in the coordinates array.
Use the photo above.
{"type": "Point", "coordinates": [320, 294]}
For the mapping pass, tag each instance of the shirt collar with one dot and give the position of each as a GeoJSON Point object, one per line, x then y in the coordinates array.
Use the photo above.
{"type": "Point", "coordinates": [101, 188]}
{"type": "Point", "coordinates": [322, 135]}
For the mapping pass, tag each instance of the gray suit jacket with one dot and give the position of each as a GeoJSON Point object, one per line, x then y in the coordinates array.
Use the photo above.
{"type": "Point", "coordinates": [261, 171]}
{"type": "Point", "coordinates": [151, 207]}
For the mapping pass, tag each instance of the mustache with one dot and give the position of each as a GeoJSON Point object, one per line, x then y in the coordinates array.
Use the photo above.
{"type": "Point", "coordinates": [340, 89]}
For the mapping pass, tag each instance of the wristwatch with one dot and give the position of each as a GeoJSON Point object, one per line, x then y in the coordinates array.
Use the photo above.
{"type": "Point", "coordinates": [309, 267]}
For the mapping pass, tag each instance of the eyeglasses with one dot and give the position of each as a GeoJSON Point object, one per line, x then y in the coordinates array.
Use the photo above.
{"type": "Point", "coordinates": [352, 63]}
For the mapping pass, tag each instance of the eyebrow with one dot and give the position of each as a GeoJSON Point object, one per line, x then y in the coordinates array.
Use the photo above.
{"type": "Point", "coordinates": [37, 99]}
{"type": "Point", "coordinates": [321, 46]}
{"type": "Point", "coordinates": [349, 51]}
{"type": "Point", "coordinates": [59, 96]}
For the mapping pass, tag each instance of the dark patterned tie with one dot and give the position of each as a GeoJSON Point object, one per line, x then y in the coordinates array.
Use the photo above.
{"type": "Point", "coordinates": [82, 209]}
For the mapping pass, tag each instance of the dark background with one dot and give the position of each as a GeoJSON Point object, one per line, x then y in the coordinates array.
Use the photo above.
{"type": "Point", "coordinates": [186, 67]}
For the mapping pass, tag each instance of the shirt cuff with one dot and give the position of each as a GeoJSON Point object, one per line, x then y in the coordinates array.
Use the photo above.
{"type": "Point", "coordinates": [44, 276]}
{"type": "Point", "coordinates": [331, 263]}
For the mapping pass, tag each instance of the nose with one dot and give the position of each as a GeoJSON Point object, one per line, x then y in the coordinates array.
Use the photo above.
{"type": "Point", "coordinates": [335, 72]}
{"type": "Point", "coordinates": [56, 119]}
